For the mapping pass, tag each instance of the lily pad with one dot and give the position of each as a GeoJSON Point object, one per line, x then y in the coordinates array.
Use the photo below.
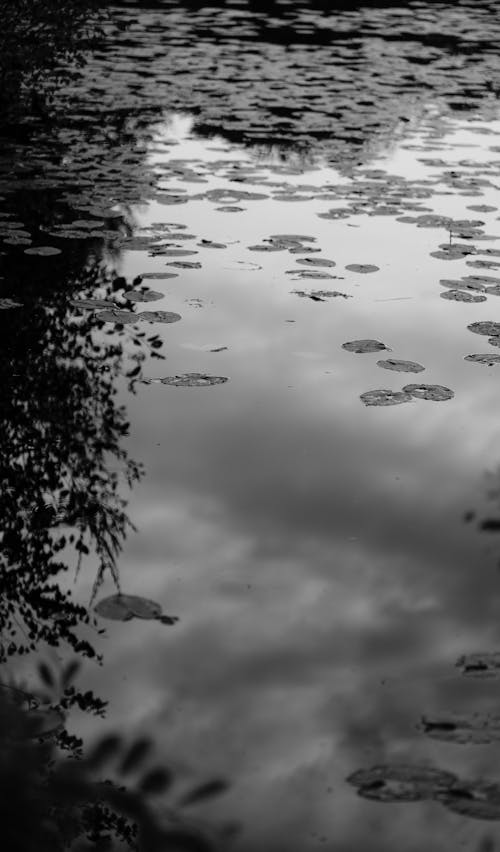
{"type": "Point", "coordinates": [488, 360]}
{"type": "Point", "coordinates": [118, 316]}
{"type": "Point", "coordinates": [315, 261]}
{"type": "Point", "coordinates": [125, 607]}
{"type": "Point", "coordinates": [462, 729]}
{"type": "Point", "coordinates": [184, 264]}
{"type": "Point", "coordinates": [490, 329]}
{"type": "Point", "coordinates": [194, 380]}
{"type": "Point", "coordinates": [462, 296]}
{"type": "Point", "coordinates": [400, 366]}
{"type": "Point", "coordinates": [486, 664]}
{"type": "Point", "coordinates": [437, 393]}
{"type": "Point", "coordinates": [362, 346]}
{"type": "Point", "coordinates": [384, 396]}
{"type": "Point", "coordinates": [400, 782]}
{"type": "Point", "coordinates": [142, 295]}
{"type": "Point", "coordinates": [158, 275]}
{"type": "Point", "coordinates": [43, 251]}
{"type": "Point", "coordinates": [159, 316]}
{"type": "Point", "coordinates": [362, 267]}
{"type": "Point", "coordinates": [473, 799]}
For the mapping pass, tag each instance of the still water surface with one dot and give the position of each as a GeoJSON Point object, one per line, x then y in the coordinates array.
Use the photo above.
{"type": "Point", "coordinates": [325, 558]}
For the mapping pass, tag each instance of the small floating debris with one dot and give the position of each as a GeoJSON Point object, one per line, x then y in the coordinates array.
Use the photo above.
{"type": "Point", "coordinates": [385, 397]}
{"type": "Point", "coordinates": [321, 295]}
{"type": "Point", "coordinates": [362, 267]}
{"type": "Point", "coordinates": [400, 366]}
{"type": "Point", "coordinates": [362, 346]}
{"type": "Point", "coordinates": [489, 360]}
{"type": "Point", "coordinates": [436, 393]}
{"type": "Point", "coordinates": [125, 607]}
{"type": "Point", "coordinates": [191, 380]}
{"type": "Point", "coordinates": [400, 782]}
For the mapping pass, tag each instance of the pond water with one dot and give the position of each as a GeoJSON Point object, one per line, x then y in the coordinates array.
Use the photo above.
{"type": "Point", "coordinates": [315, 485]}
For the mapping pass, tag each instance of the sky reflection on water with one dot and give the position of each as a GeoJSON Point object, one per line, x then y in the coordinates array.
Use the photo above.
{"type": "Point", "coordinates": [314, 549]}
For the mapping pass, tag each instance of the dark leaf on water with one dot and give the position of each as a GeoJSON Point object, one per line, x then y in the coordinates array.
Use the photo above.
{"type": "Point", "coordinates": [488, 360]}
{"type": "Point", "coordinates": [42, 251]}
{"type": "Point", "coordinates": [361, 346]}
{"type": "Point", "coordinates": [315, 261]}
{"type": "Point", "coordinates": [362, 267]}
{"type": "Point", "coordinates": [490, 329]}
{"type": "Point", "coordinates": [194, 380]}
{"type": "Point", "coordinates": [400, 366]}
{"type": "Point", "coordinates": [385, 397]}
{"type": "Point", "coordinates": [91, 304]}
{"type": "Point", "coordinates": [494, 341]}
{"type": "Point", "coordinates": [462, 296]}
{"type": "Point", "coordinates": [400, 782]}
{"type": "Point", "coordinates": [486, 664]}
{"type": "Point", "coordinates": [159, 316]}
{"type": "Point", "coordinates": [184, 264]}
{"type": "Point", "coordinates": [462, 729]}
{"type": "Point", "coordinates": [117, 316]}
{"type": "Point", "coordinates": [437, 393]}
{"type": "Point", "coordinates": [473, 799]}
{"type": "Point", "coordinates": [125, 607]}
{"type": "Point", "coordinates": [142, 296]}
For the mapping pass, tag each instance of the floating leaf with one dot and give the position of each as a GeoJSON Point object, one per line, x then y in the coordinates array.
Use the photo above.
{"type": "Point", "coordinates": [125, 607]}
{"type": "Point", "coordinates": [178, 252]}
{"type": "Point", "coordinates": [159, 316]}
{"type": "Point", "coordinates": [400, 782]}
{"type": "Point", "coordinates": [321, 295]}
{"type": "Point", "coordinates": [362, 267]}
{"type": "Point", "coordinates": [486, 664]}
{"type": "Point", "coordinates": [184, 264]}
{"type": "Point", "coordinates": [385, 397]}
{"type": "Point", "coordinates": [204, 791]}
{"type": "Point", "coordinates": [117, 316]}
{"type": "Point", "coordinates": [473, 799]}
{"type": "Point", "coordinates": [400, 366]}
{"type": "Point", "coordinates": [491, 329]}
{"type": "Point", "coordinates": [437, 393]}
{"type": "Point", "coordinates": [158, 275]}
{"type": "Point", "coordinates": [463, 729]}
{"type": "Point", "coordinates": [361, 346]}
{"type": "Point", "coordinates": [194, 380]}
{"type": "Point", "coordinates": [462, 296]}
{"type": "Point", "coordinates": [488, 360]}
{"type": "Point", "coordinates": [142, 296]}
{"type": "Point", "coordinates": [42, 251]}
{"type": "Point", "coordinates": [315, 261]}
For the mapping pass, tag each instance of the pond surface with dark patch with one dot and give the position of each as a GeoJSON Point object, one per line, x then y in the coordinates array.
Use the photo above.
{"type": "Point", "coordinates": [241, 499]}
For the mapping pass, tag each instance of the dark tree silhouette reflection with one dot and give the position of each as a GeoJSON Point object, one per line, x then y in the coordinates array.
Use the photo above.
{"type": "Point", "coordinates": [62, 464]}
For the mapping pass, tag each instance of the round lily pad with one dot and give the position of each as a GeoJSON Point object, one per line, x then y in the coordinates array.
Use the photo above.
{"type": "Point", "coordinates": [400, 782]}
{"type": "Point", "coordinates": [118, 316]}
{"type": "Point", "coordinates": [142, 295]}
{"type": "Point", "coordinates": [437, 393]}
{"type": "Point", "coordinates": [362, 267]}
{"type": "Point", "coordinates": [462, 296]}
{"type": "Point", "coordinates": [473, 799]}
{"type": "Point", "coordinates": [362, 346]}
{"type": "Point", "coordinates": [194, 380]}
{"type": "Point", "coordinates": [125, 607]}
{"type": "Point", "coordinates": [42, 251]}
{"type": "Point", "coordinates": [159, 316]}
{"type": "Point", "coordinates": [490, 329]}
{"type": "Point", "coordinates": [315, 261]}
{"type": "Point", "coordinates": [385, 397]}
{"type": "Point", "coordinates": [488, 360]}
{"type": "Point", "coordinates": [400, 366]}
